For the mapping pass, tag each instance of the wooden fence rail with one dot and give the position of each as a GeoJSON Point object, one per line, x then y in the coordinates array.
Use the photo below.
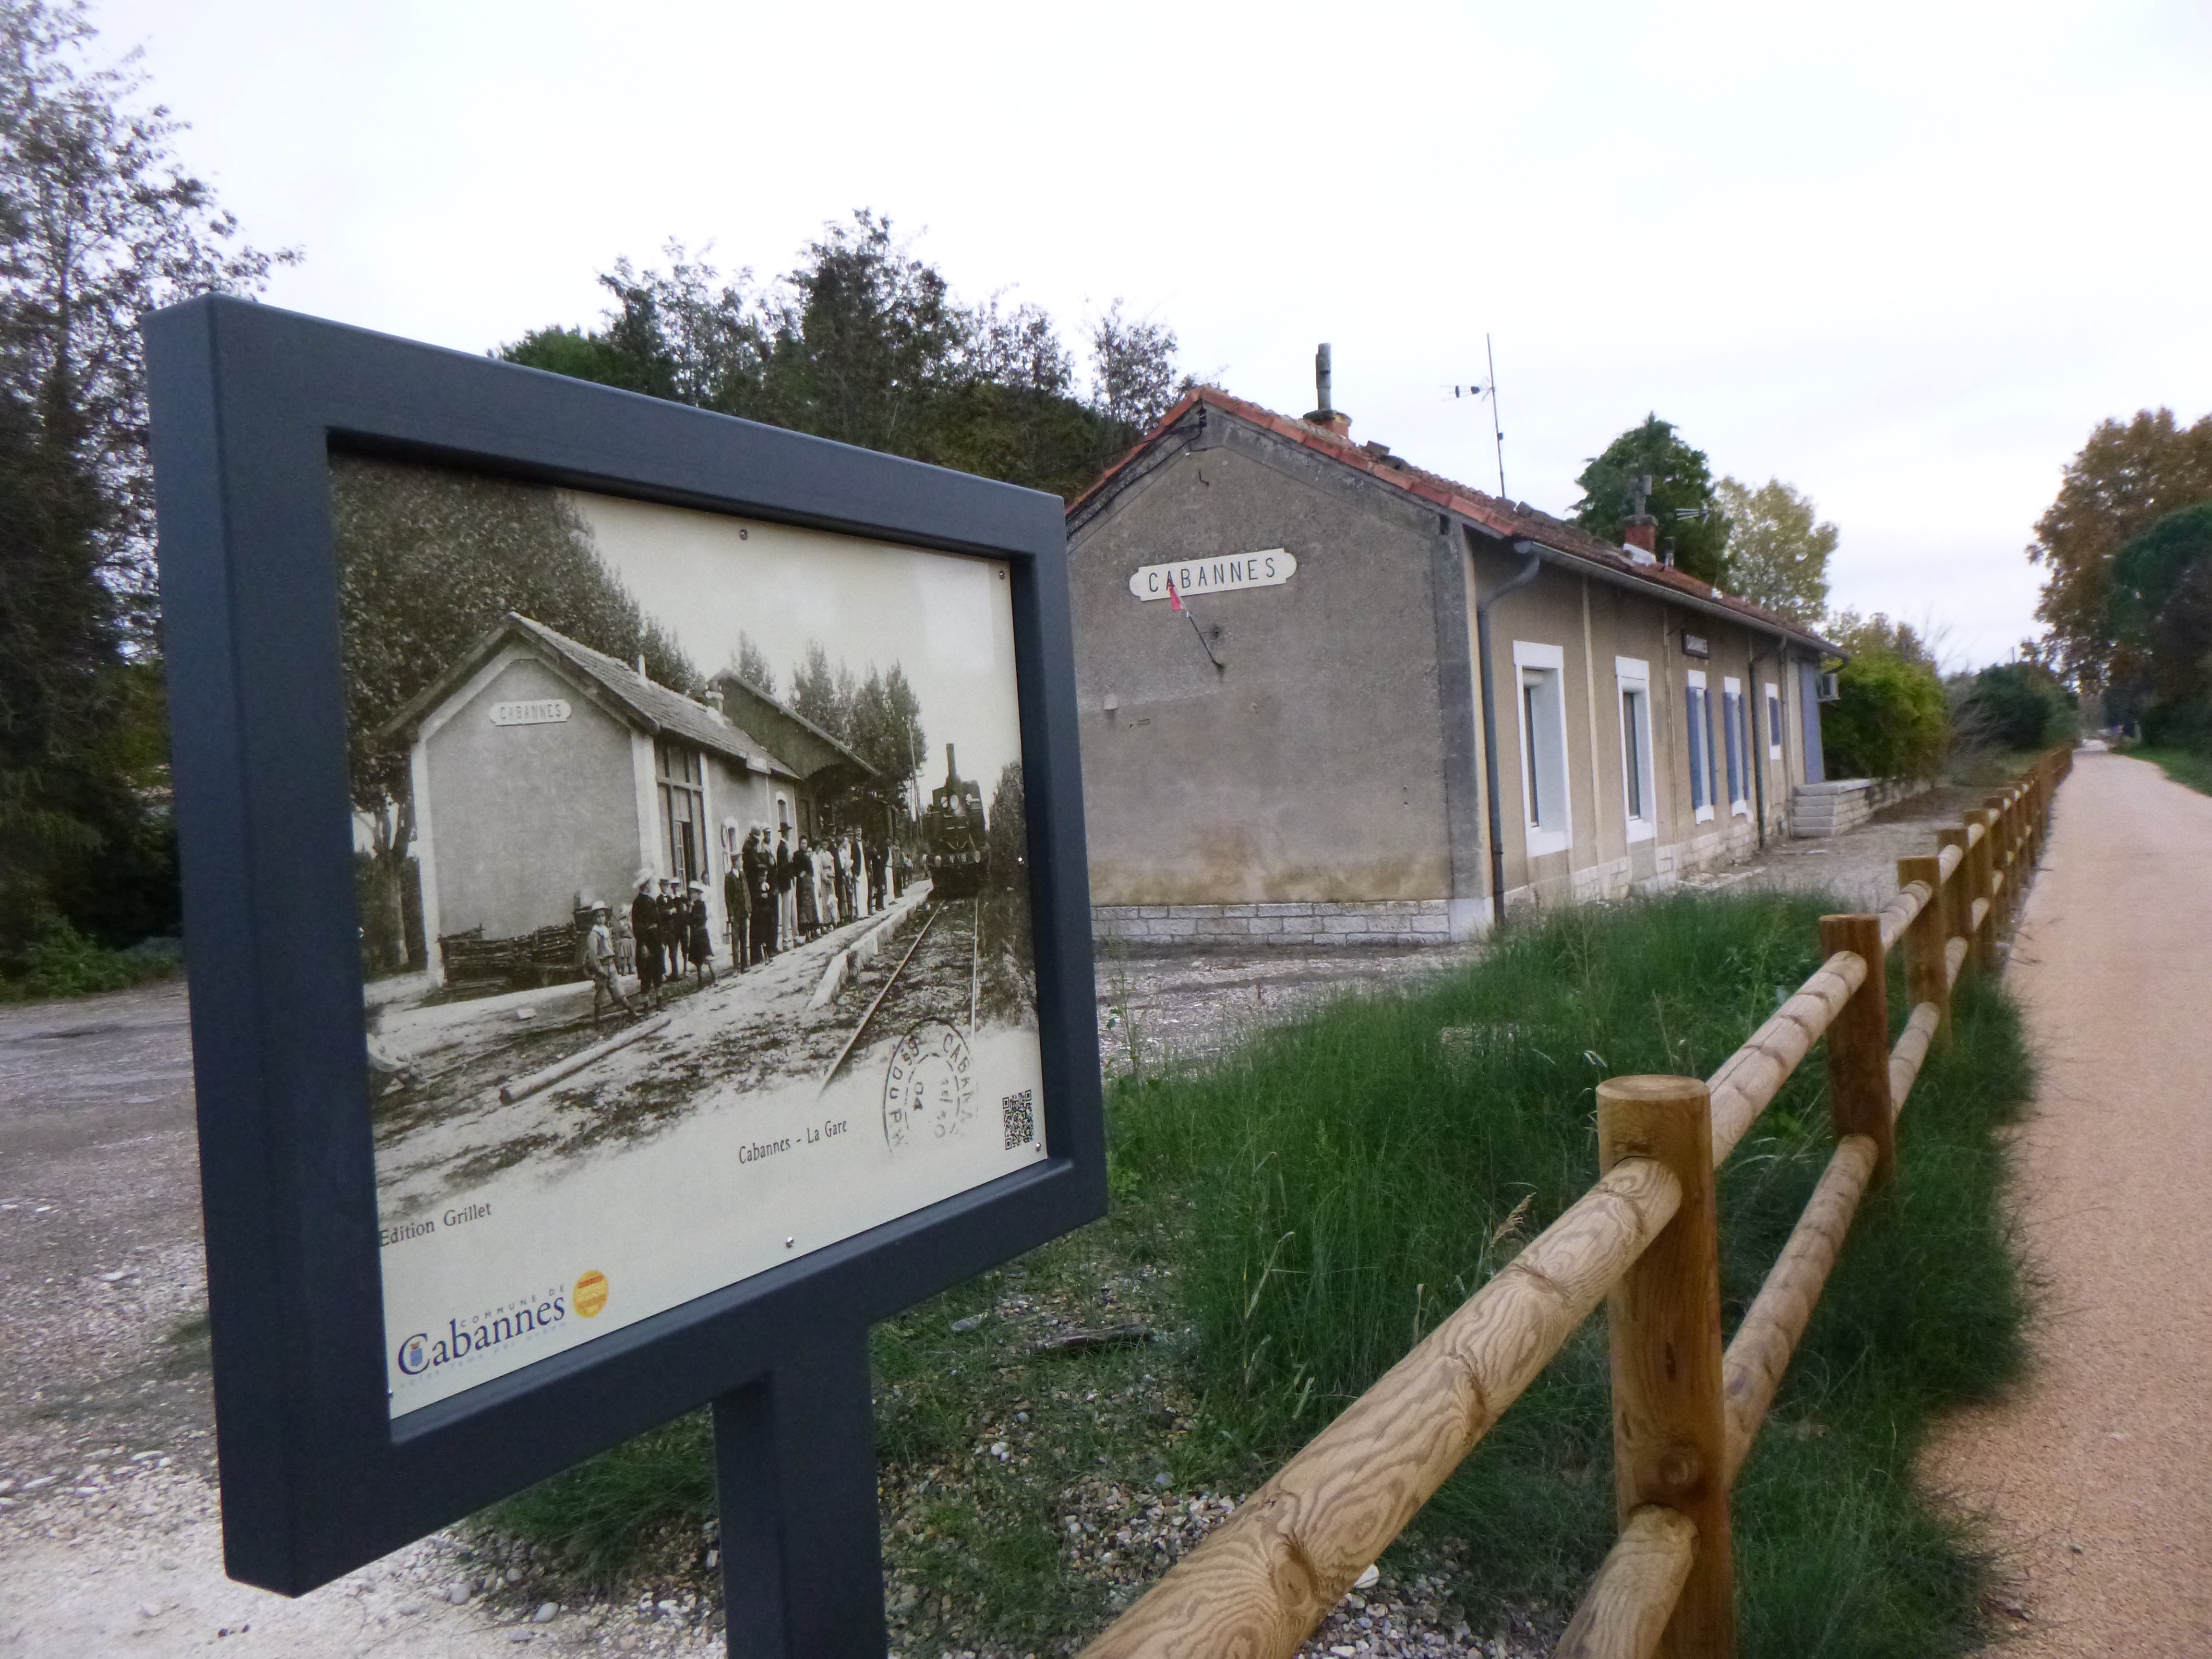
{"type": "Point", "coordinates": [1686, 1411]}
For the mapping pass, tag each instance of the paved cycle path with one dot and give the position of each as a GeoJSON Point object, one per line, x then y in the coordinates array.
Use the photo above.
{"type": "Point", "coordinates": [2098, 1468]}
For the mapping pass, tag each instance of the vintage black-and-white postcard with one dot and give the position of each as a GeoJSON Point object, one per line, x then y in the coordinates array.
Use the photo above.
{"type": "Point", "coordinates": [693, 894]}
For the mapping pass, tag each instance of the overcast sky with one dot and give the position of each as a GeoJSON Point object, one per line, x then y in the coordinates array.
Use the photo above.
{"type": "Point", "coordinates": [946, 620]}
{"type": "Point", "coordinates": [1902, 255]}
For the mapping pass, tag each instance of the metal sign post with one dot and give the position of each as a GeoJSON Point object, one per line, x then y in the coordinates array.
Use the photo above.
{"type": "Point", "coordinates": [795, 1465]}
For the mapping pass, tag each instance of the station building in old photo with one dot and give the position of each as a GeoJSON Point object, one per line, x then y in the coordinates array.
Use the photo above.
{"type": "Point", "coordinates": [543, 773]}
{"type": "Point", "coordinates": [1327, 695]}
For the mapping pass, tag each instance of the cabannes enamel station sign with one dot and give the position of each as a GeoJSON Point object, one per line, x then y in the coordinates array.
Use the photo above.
{"type": "Point", "coordinates": [1271, 566]}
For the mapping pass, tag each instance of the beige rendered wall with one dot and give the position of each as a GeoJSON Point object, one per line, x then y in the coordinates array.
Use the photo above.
{"type": "Point", "coordinates": [1310, 769]}
{"type": "Point", "coordinates": [1594, 621]}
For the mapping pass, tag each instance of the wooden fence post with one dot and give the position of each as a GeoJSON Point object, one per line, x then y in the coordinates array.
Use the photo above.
{"type": "Point", "coordinates": [2004, 844]}
{"type": "Point", "coordinates": [1925, 979]}
{"type": "Point", "coordinates": [1858, 1044]}
{"type": "Point", "coordinates": [1663, 1319]}
{"type": "Point", "coordinates": [1960, 888]}
{"type": "Point", "coordinates": [2015, 858]}
{"type": "Point", "coordinates": [1980, 862]}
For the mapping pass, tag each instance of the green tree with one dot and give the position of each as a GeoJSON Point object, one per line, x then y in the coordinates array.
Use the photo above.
{"type": "Point", "coordinates": [866, 336]}
{"type": "Point", "coordinates": [2160, 618]}
{"type": "Point", "coordinates": [2128, 476]}
{"type": "Point", "coordinates": [100, 225]}
{"type": "Point", "coordinates": [1863, 635]}
{"type": "Point", "coordinates": [1692, 529]}
{"type": "Point", "coordinates": [1778, 549]}
{"type": "Point", "coordinates": [864, 342]}
{"type": "Point", "coordinates": [1133, 370]}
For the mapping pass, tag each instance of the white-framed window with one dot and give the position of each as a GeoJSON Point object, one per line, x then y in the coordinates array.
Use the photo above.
{"type": "Point", "coordinates": [1773, 694]}
{"type": "Point", "coordinates": [1638, 783]}
{"type": "Point", "coordinates": [1700, 722]}
{"type": "Point", "coordinates": [1737, 750]}
{"type": "Point", "coordinates": [1540, 672]}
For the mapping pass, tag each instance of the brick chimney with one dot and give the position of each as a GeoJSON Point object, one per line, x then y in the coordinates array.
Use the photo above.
{"type": "Point", "coordinates": [1639, 532]}
{"type": "Point", "coordinates": [1326, 415]}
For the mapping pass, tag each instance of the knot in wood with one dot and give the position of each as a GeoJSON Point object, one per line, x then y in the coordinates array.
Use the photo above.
{"type": "Point", "coordinates": [1677, 1473]}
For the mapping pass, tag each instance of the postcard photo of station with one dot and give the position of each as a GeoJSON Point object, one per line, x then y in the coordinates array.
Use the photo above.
{"type": "Point", "coordinates": [692, 880]}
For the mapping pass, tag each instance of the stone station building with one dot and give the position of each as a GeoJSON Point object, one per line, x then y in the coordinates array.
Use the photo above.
{"type": "Point", "coordinates": [1310, 750]}
{"type": "Point", "coordinates": [542, 772]}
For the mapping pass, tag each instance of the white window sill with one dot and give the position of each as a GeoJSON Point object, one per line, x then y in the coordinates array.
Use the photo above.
{"type": "Point", "coordinates": [1774, 754]}
{"type": "Point", "coordinates": [1544, 842]}
{"type": "Point", "coordinates": [1643, 829]}
{"type": "Point", "coordinates": [1739, 809]}
{"type": "Point", "coordinates": [1704, 815]}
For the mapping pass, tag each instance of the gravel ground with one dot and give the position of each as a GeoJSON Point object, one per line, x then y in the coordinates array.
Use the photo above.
{"type": "Point", "coordinates": [1178, 1008]}
{"type": "Point", "coordinates": [107, 1532]}
{"type": "Point", "coordinates": [2095, 1471]}
{"type": "Point", "coordinates": [1860, 867]}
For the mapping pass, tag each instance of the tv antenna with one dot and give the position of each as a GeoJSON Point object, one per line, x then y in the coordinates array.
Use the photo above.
{"type": "Point", "coordinates": [1489, 389]}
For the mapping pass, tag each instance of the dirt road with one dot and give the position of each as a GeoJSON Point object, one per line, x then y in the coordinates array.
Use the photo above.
{"type": "Point", "coordinates": [2098, 1470]}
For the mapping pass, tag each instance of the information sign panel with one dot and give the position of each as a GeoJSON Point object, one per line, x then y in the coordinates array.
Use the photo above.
{"type": "Point", "coordinates": [639, 933]}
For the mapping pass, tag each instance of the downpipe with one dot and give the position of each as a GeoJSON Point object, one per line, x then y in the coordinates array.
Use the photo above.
{"type": "Point", "coordinates": [1520, 578]}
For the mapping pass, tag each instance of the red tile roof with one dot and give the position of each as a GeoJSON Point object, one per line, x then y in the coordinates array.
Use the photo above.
{"type": "Point", "coordinates": [1508, 519]}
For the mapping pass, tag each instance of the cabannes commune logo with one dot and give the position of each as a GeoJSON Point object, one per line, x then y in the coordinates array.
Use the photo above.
{"type": "Point", "coordinates": [464, 1338]}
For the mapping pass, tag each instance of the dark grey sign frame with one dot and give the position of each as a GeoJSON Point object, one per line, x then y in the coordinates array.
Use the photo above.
{"type": "Point", "coordinates": [248, 402]}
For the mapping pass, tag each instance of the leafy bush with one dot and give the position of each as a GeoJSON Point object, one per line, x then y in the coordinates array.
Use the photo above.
{"type": "Point", "coordinates": [60, 961]}
{"type": "Point", "coordinates": [2018, 705]}
{"type": "Point", "coordinates": [2186, 725]}
{"type": "Point", "coordinates": [1890, 721]}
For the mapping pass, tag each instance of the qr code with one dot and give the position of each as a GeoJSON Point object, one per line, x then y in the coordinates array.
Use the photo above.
{"type": "Point", "coordinates": [1021, 1120]}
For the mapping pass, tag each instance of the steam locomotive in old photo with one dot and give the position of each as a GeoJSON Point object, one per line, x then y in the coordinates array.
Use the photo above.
{"type": "Point", "coordinates": [955, 851]}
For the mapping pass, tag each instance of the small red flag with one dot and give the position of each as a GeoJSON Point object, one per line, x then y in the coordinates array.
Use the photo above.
{"type": "Point", "coordinates": [1175, 599]}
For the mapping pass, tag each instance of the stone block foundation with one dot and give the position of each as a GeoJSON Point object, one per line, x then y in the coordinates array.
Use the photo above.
{"type": "Point", "coordinates": [1375, 921]}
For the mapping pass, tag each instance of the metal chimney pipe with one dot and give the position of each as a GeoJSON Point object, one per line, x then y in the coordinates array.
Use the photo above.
{"type": "Point", "coordinates": [1322, 379]}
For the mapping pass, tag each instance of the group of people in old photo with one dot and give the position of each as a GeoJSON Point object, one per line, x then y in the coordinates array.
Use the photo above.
{"type": "Point", "coordinates": [776, 893]}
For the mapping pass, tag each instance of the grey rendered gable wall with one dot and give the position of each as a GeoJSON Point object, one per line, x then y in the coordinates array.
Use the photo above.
{"type": "Point", "coordinates": [1302, 792]}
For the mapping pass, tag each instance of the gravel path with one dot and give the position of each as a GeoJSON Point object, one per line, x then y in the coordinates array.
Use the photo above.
{"type": "Point", "coordinates": [1860, 867]}
{"type": "Point", "coordinates": [2097, 1471]}
{"type": "Point", "coordinates": [108, 1540]}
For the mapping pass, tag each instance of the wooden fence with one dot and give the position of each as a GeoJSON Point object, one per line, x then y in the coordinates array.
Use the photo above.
{"type": "Point", "coordinates": [1685, 1410]}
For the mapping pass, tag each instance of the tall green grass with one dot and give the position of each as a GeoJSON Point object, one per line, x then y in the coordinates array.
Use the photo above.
{"type": "Point", "coordinates": [1358, 1175]}
{"type": "Point", "coordinates": [1296, 1216]}
{"type": "Point", "coordinates": [2183, 766]}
